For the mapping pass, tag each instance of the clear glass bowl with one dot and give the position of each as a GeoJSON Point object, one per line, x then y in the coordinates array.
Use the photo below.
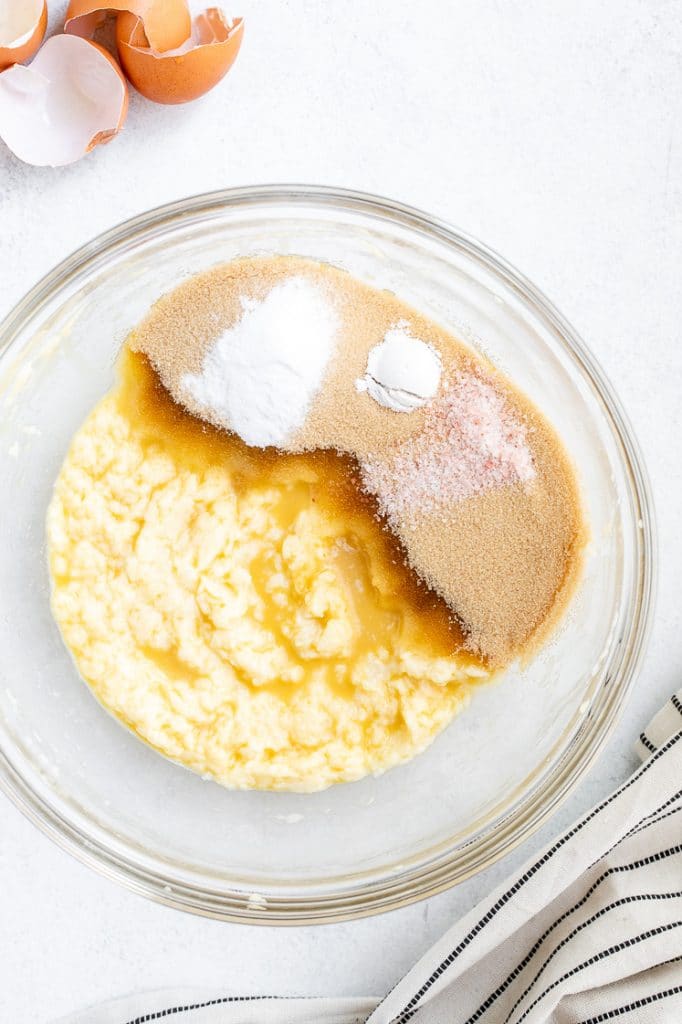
{"type": "Point", "coordinates": [494, 775]}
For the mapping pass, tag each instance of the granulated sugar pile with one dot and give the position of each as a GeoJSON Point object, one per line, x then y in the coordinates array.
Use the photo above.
{"type": "Point", "coordinates": [471, 442]}
{"type": "Point", "coordinates": [260, 376]}
{"type": "Point", "coordinates": [465, 472]}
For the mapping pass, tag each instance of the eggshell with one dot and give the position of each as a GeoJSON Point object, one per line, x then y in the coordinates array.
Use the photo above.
{"type": "Point", "coordinates": [187, 72]}
{"type": "Point", "coordinates": [72, 98]}
{"type": "Point", "coordinates": [22, 28]}
{"type": "Point", "coordinates": [167, 23]}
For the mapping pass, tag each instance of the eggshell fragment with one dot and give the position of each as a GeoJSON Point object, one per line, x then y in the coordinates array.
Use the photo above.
{"type": "Point", "coordinates": [72, 98]}
{"type": "Point", "coordinates": [22, 27]}
{"type": "Point", "coordinates": [167, 23]}
{"type": "Point", "coordinates": [190, 70]}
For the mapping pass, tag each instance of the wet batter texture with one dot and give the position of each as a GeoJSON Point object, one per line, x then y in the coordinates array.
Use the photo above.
{"type": "Point", "coordinates": [243, 613]}
{"type": "Point", "coordinates": [287, 619]}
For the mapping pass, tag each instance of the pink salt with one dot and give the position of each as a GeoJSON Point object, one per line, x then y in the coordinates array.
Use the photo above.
{"type": "Point", "coordinates": [471, 442]}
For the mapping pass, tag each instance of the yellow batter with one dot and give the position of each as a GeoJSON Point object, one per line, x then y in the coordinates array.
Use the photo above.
{"type": "Point", "coordinates": [242, 611]}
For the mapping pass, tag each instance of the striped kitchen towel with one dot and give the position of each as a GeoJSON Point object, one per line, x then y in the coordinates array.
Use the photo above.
{"type": "Point", "coordinates": [204, 1006]}
{"type": "Point", "coordinates": [590, 931]}
{"type": "Point", "coordinates": [662, 726]}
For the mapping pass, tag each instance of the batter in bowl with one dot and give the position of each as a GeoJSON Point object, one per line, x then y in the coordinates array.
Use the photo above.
{"type": "Point", "coordinates": [315, 605]}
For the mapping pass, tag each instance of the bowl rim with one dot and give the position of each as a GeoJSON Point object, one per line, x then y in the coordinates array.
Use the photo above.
{"type": "Point", "coordinates": [535, 807]}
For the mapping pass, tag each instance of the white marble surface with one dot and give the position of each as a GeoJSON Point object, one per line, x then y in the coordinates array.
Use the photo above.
{"type": "Point", "coordinates": [550, 131]}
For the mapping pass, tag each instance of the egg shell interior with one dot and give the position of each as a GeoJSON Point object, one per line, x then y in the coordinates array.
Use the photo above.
{"type": "Point", "coordinates": [18, 21]}
{"type": "Point", "coordinates": [52, 112]}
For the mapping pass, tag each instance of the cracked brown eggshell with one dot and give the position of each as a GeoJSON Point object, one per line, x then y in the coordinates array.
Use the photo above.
{"type": "Point", "coordinates": [22, 29]}
{"type": "Point", "coordinates": [167, 23]}
{"type": "Point", "coordinates": [72, 98]}
{"type": "Point", "coordinates": [186, 72]}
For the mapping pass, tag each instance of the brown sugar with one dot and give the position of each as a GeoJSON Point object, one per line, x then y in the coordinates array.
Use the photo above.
{"type": "Point", "coordinates": [503, 554]}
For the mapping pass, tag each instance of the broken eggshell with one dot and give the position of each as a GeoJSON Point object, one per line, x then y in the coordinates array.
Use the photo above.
{"type": "Point", "coordinates": [72, 98]}
{"type": "Point", "coordinates": [189, 70]}
{"type": "Point", "coordinates": [22, 27]}
{"type": "Point", "coordinates": [167, 23]}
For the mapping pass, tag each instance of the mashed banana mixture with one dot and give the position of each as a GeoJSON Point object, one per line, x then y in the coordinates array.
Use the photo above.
{"type": "Point", "coordinates": [244, 612]}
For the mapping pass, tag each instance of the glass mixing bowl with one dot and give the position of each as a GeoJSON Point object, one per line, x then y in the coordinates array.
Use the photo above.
{"type": "Point", "coordinates": [494, 775]}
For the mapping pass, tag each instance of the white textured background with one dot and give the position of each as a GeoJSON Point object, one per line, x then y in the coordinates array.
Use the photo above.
{"type": "Point", "coordinates": [553, 132]}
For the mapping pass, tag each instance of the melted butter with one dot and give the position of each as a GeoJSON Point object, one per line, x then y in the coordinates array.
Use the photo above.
{"type": "Point", "coordinates": [388, 600]}
{"type": "Point", "coordinates": [244, 612]}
